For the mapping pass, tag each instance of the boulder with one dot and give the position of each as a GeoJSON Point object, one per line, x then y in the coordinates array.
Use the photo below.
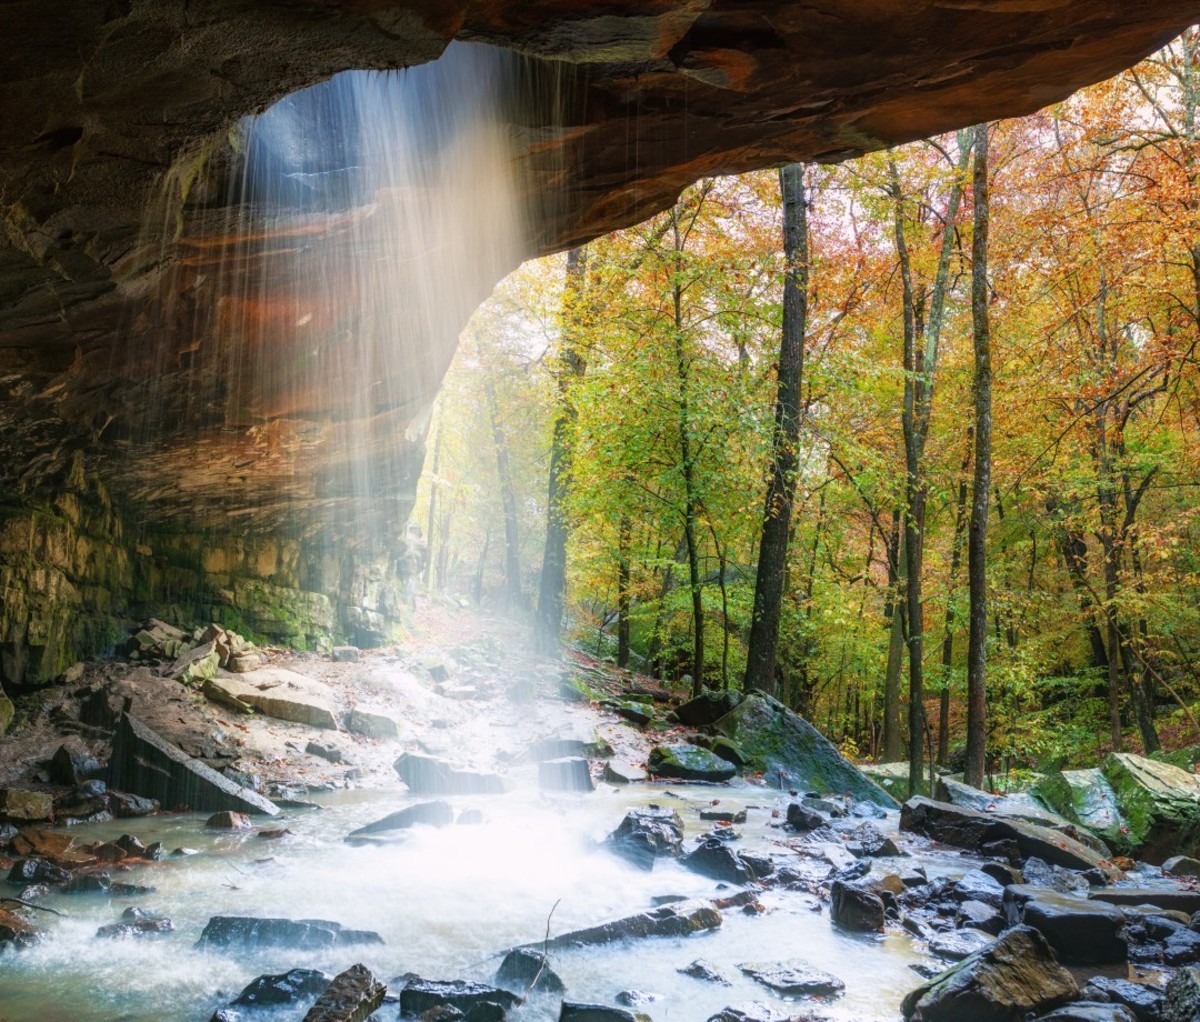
{"type": "Point", "coordinates": [352, 996]}
{"type": "Point", "coordinates": [524, 969]}
{"type": "Point", "coordinates": [1177, 899]}
{"type": "Point", "coordinates": [1086, 797]}
{"type": "Point", "coordinates": [7, 712]}
{"type": "Point", "coordinates": [794, 978]}
{"type": "Point", "coordinates": [713, 857]}
{"type": "Point", "coordinates": [72, 768]}
{"type": "Point", "coordinates": [26, 804]}
{"type": "Point", "coordinates": [228, 821]}
{"type": "Point", "coordinates": [970, 829]}
{"type": "Point", "coordinates": [791, 753]}
{"type": "Point", "coordinates": [1020, 806]}
{"type": "Point", "coordinates": [955, 945]}
{"type": "Point", "coordinates": [241, 932]}
{"type": "Point", "coordinates": [569, 773]}
{"type": "Point", "coordinates": [689, 763]}
{"type": "Point", "coordinates": [623, 771]}
{"type": "Point", "coordinates": [1012, 977]}
{"type": "Point", "coordinates": [855, 906]}
{"type": "Point", "coordinates": [148, 765]}
{"type": "Point", "coordinates": [678, 919]}
{"type": "Point", "coordinates": [631, 710]}
{"type": "Point", "coordinates": [36, 870]}
{"type": "Point", "coordinates": [802, 818]}
{"type": "Point", "coordinates": [1183, 997]}
{"type": "Point", "coordinates": [369, 724]}
{"type": "Point", "coordinates": [752, 1011]}
{"type": "Point", "coordinates": [428, 775]}
{"type": "Point", "coordinates": [433, 814]}
{"type": "Point", "coordinates": [646, 834]}
{"type": "Point", "coordinates": [573, 1011]}
{"type": "Point", "coordinates": [344, 654]}
{"type": "Point", "coordinates": [1089, 1011]}
{"type": "Point", "coordinates": [16, 931]}
{"type": "Point", "coordinates": [704, 970]}
{"type": "Point", "coordinates": [1080, 931]}
{"type": "Point", "coordinates": [1145, 1000]}
{"type": "Point", "coordinates": [279, 693]}
{"type": "Point", "coordinates": [1160, 804]}
{"type": "Point", "coordinates": [1181, 866]}
{"type": "Point", "coordinates": [419, 995]}
{"type": "Point", "coordinates": [707, 708]}
{"type": "Point", "coordinates": [197, 665]}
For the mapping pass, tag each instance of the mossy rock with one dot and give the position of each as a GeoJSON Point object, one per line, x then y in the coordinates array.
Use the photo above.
{"type": "Point", "coordinates": [7, 711]}
{"type": "Point", "coordinates": [689, 763]}
{"type": "Point", "coordinates": [791, 753]}
{"type": "Point", "coordinates": [1085, 797]}
{"type": "Point", "coordinates": [1160, 803]}
{"type": "Point", "coordinates": [893, 778]}
{"type": "Point", "coordinates": [1185, 759]}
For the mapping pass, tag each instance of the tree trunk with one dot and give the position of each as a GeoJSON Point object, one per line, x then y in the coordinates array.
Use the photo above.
{"type": "Point", "coordinates": [547, 624]}
{"type": "Point", "coordinates": [981, 488]}
{"type": "Point", "coordinates": [624, 536]}
{"type": "Point", "coordinates": [956, 551]}
{"type": "Point", "coordinates": [508, 500]}
{"type": "Point", "coordinates": [893, 740]}
{"type": "Point", "coordinates": [781, 488]}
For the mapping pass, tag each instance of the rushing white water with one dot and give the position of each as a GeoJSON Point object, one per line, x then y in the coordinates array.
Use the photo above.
{"type": "Point", "coordinates": [445, 901]}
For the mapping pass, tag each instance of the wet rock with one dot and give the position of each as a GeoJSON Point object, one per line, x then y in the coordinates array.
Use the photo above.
{"type": "Point", "coordinates": [1181, 866]}
{"type": "Point", "coordinates": [636, 998]}
{"type": "Point", "coordinates": [976, 885]}
{"type": "Point", "coordinates": [522, 967]}
{"type": "Point", "coordinates": [622, 771]}
{"type": "Point", "coordinates": [344, 654]}
{"type": "Point", "coordinates": [794, 978]}
{"type": "Point", "coordinates": [1174, 899]}
{"type": "Point", "coordinates": [102, 883]}
{"type": "Point", "coordinates": [433, 814]}
{"type": "Point", "coordinates": [1181, 948]}
{"type": "Point", "coordinates": [302, 934]}
{"type": "Point", "coordinates": [704, 970]}
{"type": "Point", "coordinates": [802, 818]}
{"type": "Point", "coordinates": [1086, 797]}
{"type": "Point", "coordinates": [856, 907]}
{"type": "Point", "coordinates": [955, 945]}
{"type": "Point", "coordinates": [967, 828]}
{"type": "Point", "coordinates": [352, 996]}
{"type": "Point", "coordinates": [893, 778]}
{"type": "Point", "coordinates": [283, 987]}
{"type": "Point", "coordinates": [419, 995]}
{"type": "Point", "coordinates": [728, 750]}
{"type": "Point", "coordinates": [1015, 975]}
{"type": "Point", "coordinates": [566, 774]}
{"type": "Point", "coordinates": [35, 870]}
{"type": "Point", "coordinates": [26, 804]}
{"type": "Point", "coordinates": [750, 1011]}
{"type": "Point", "coordinates": [1018, 806]}
{"type": "Point", "coordinates": [573, 1011]}
{"type": "Point", "coordinates": [1002, 873]}
{"type": "Point", "coordinates": [980, 916]}
{"type": "Point", "coordinates": [712, 857]}
{"type": "Point", "coordinates": [707, 708]}
{"type": "Point", "coordinates": [1080, 931]}
{"type": "Point", "coordinates": [126, 806]}
{"type": "Point", "coordinates": [1160, 802]}
{"type": "Point", "coordinates": [867, 841]}
{"type": "Point", "coordinates": [676, 920]}
{"type": "Point", "coordinates": [228, 821]}
{"type": "Point", "coordinates": [370, 725]}
{"type": "Point", "coordinates": [790, 752]}
{"type": "Point", "coordinates": [144, 763]}
{"type": "Point", "coordinates": [646, 834]}
{"type": "Point", "coordinates": [1058, 878]}
{"type": "Point", "coordinates": [1084, 1011]}
{"type": "Point", "coordinates": [689, 763]}
{"type": "Point", "coordinates": [1145, 1001]}
{"type": "Point", "coordinates": [16, 931]}
{"type": "Point", "coordinates": [46, 844]}
{"type": "Point", "coordinates": [134, 928]}
{"type": "Point", "coordinates": [428, 775]}
{"type": "Point", "coordinates": [723, 815]}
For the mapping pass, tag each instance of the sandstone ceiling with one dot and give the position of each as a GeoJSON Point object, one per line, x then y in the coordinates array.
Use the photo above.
{"type": "Point", "coordinates": [102, 98]}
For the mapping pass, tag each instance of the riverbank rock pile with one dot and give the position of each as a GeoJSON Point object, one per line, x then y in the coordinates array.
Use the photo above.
{"type": "Point", "coordinates": [196, 655]}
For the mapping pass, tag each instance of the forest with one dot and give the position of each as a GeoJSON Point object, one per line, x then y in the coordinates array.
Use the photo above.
{"type": "Point", "coordinates": [948, 391]}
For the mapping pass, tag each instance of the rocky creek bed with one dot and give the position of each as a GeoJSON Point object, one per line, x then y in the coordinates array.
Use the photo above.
{"type": "Point", "coordinates": [498, 816]}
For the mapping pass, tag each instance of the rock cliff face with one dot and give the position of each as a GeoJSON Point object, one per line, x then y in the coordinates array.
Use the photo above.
{"type": "Point", "coordinates": [144, 465]}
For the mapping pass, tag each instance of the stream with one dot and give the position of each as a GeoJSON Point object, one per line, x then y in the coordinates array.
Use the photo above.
{"type": "Point", "coordinates": [445, 902]}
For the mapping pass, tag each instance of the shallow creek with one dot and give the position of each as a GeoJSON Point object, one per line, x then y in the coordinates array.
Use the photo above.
{"type": "Point", "coordinates": [445, 901]}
